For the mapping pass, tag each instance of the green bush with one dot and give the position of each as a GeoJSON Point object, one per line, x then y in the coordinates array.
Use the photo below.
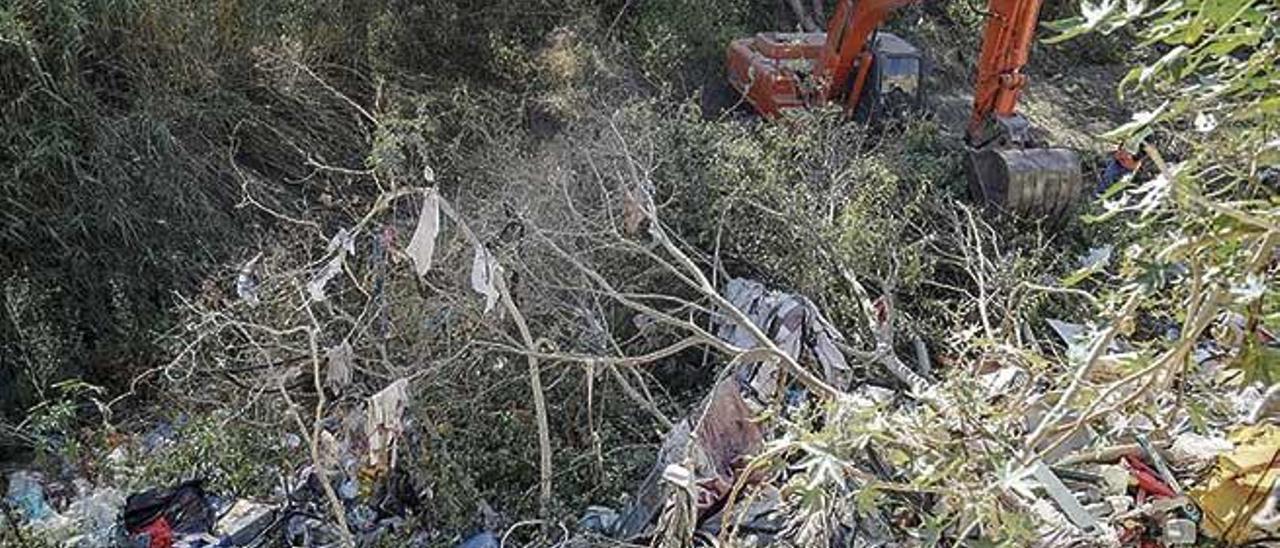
{"type": "Point", "coordinates": [234, 458]}
{"type": "Point", "coordinates": [793, 202]}
{"type": "Point", "coordinates": [139, 138]}
{"type": "Point", "coordinates": [680, 46]}
{"type": "Point", "coordinates": [1202, 218]}
{"type": "Point", "coordinates": [130, 130]}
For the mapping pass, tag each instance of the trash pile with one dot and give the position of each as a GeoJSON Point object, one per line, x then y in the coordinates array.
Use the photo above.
{"type": "Point", "coordinates": [703, 454]}
{"type": "Point", "coordinates": [725, 470]}
{"type": "Point", "coordinates": [896, 458]}
{"type": "Point", "coordinates": [89, 519]}
{"type": "Point", "coordinates": [180, 516]}
{"type": "Point", "coordinates": [357, 476]}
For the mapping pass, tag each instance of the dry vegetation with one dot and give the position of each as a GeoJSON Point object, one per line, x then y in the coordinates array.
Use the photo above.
{"type": "Point", "coordinates": [196, 221]}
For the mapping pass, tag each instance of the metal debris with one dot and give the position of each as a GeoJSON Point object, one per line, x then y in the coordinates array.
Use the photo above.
{"type": "Point", "coordinates": [1065, 499]}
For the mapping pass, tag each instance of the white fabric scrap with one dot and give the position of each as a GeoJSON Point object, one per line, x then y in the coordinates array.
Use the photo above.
{"type": "Point", "coordinates": [341, 360]}
{"type": "Point", "coordinates": [423, 244]}
{"type": "Point", "coordinates": [247, 281]}
{"type": "Point", "coordinates": [315, 287]}
{"type": "Point", "coordinates": [385, 423]}
{"type": "Point", "coordinates": [1192, 450]}
{"type": "Point", "coordinates": [342, 240]}
{"type": "Point", "coordinates": [484, 273]}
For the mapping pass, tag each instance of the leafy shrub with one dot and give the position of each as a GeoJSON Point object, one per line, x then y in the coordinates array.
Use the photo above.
{"type": "Point", "coordinates": [792, 203]}
{"type": "Point", "coordinates": [1203, 215]}
{"type": "Point", "coordinates": [143, 142]}
{"type": "Point", "coordinates": [236, 459]}
{"type": "Point", "coordinates": [128, 142]}
{"type": "Point", "coordinates": [681, 45]}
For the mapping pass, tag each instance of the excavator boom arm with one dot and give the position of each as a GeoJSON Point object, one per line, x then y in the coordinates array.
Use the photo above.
{"type": "Point", "coordinates": [1006, 46]}
{"type": "Point", "coordinates": [850, 28]}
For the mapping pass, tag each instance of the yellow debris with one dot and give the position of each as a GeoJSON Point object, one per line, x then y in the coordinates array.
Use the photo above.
{"type": "Point", "coordinates": [1240, 483]}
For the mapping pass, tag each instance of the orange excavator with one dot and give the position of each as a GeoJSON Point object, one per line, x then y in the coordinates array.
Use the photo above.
{"type": "Point", "coordinates": [869, 71]}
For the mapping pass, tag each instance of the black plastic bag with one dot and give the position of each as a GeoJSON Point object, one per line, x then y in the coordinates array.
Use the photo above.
{"type": "Point", "coordinates": [183, 506]}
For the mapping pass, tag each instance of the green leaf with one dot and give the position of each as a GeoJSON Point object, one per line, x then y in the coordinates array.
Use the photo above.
{"type": "Point", "coordinates": [1162, 64]}
{"type": "Point", "coordinates": [1194, 31]}
{"type": "Point", "coordinates": [1095, 14]}
{"type": "Point", "coordinates": [1221, 12]}
{"type": "Point", "coordinates": [1063, 25]}
{"type": "Point", "coordinates": [867, 499]}
{"type": "Point", "coordinates": [1080, 275]}
{"type": "Point", "coordinates": [1134, 9]}
{"type": "Point", "coordinates": [1091, 17]}
{"type": "Point", "coordinates": [1130, 79]}
{"type": "Point", "coordinates": [1196, 412]}
{"type": "Point", "coordinates": [1231, 42]}
{"type": "Point", "coordinates": [1140, 120]}
{"type": "Point", "coordinates": [1259, 362]}
{"type": "Point", "coordinates": [1069, 28]}
{"type": "Point", "coordinates": [1266, 107]}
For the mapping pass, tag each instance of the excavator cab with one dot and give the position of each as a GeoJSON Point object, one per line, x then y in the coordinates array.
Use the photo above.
{"type": "Point", "coordinates": [778, 71]}
{"type": "Point", "coordinates": [894, 83]}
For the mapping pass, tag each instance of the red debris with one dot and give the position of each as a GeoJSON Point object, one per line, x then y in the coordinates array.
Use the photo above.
{"type": "Point", "coordinates": [159, 533]}
{"type": "Point", "coordinates": [1149, 483]}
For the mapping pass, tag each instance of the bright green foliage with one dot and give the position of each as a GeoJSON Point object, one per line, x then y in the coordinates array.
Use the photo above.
{"type": "Point", "coordinates": [1204, 213]}
{"type": "Point", "coordinates": [233, 458]}
{"type": "Point", "coordinates": [50, 425]}
{"type": "Point", "coordinates": [1217, 76]}
{"type": "Point", "coordinates": [795, 202]}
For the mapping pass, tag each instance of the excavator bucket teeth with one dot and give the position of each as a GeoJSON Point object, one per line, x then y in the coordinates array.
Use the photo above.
{"type": "Point", "coordinates": [1041, 182]}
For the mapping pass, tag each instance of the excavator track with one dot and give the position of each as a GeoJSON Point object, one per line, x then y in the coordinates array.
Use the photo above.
{"type": "Point", "coordinates": [1042, 182]}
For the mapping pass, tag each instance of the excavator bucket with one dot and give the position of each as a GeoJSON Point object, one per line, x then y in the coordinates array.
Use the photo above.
{"type": "Point", "coordinates": [1042, 182]}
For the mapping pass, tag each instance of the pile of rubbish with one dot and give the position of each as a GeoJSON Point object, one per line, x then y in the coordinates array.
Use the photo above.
{"type": "Point", "coordinates": [1131, 486]}
{"type": "Point", "coordinates": [358, 479]}
{"type": "Point", "coordinates": [186, 515]}
{"type": "Point", "coordinates": [765, 460]}
{"type": "Point", "coordinates": [181, 515]}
